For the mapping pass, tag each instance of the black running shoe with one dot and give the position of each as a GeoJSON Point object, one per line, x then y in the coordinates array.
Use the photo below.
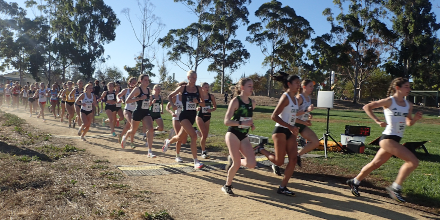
{"type": "Point", "coordinates": [395, 194]}
{"type": "Point", "coordinates": [229, 164]}
{"type": "Point", "coordinates": [276, 169]}
{"type": "Point", "coordinates": [285, 191]}
{"type": "Point", "coordinates": [73, 121]}
{"type": "Point", "coordinates": [353, 187]}
{"type": "Point", "coordinates": [298, 160]}
{"type": "Point", "coordinates": [228, 190]}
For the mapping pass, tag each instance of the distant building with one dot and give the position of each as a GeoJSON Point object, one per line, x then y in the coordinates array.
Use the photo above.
{"type": "Point", "coordinates": [15, 76]}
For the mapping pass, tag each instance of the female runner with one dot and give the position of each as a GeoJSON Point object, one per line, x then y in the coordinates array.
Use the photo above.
{"type": "Point", "coordinates": [70, 101]}
{"type": "Point", "coordinates": [109, 97]}
{"type": "Point", "coordinates": [285, 133]}
{"type": "Point", "coordinates": [24, 96]}
{"type": "Point", "coordinates": [141, 95]}
{"type": "Point", "coordinates": [177, 100]}
{"type": "Point", "coordinates": [239, 119]}
{"type": "Point", "coordinates": [41, 94]}
{"type": "Point", "coordinates": [190, 98]}
{"type": "Point", "coordinates": [75, 93]}
{"type": "Point", "coordinates": [156, 108]}
{"type": "Point", "coordinates": [129, 108]}
{"type": "Point", "coordinates": [87, 101]}
{"type": "Point", "coordinates": [32, 104]}
{"type": "Point", "coordinates": [398, 114]}
{"type": "Point", "coordinates": [204, 117]}
{"type": "Point", "coordinates": [63, 98]}
{"type": "Point", "coordinates": [54, 99]}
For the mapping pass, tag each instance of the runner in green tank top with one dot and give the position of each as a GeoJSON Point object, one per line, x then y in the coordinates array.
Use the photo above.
{"type": "Point", "coordinates": [239, 119]}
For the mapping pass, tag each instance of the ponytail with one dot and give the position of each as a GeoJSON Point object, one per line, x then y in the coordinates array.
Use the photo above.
{"type": "Point", "coordinates": [241, 83]}
{"type": "Point", "coordinates": [284, 78]}
{"type": "Point", "coordinates": [304, 83]}
{"type": "Point", "coordinates": [396, 82]}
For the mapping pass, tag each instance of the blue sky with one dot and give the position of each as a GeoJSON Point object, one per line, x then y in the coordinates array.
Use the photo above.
{"type": "Point", "coordinates": [125, 48]}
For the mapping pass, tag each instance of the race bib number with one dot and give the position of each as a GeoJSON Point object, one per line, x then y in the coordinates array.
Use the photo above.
{"type": "Point", "coordinates": [191, 106]}
{"type": "Point", "coordinates": [89, 107]}
{"type": "Point", "coordinates": [118, 104]}
{"type": "Point", "coordinates": [206, 109]}
{"type": "Point", "coordinates": [401, 128]}
{"type": "Point", "coordinates": [41, 95]}
{"type": "Point", "coordinates": [179, 109]}
{"type": "Point", "coordinates": [156, 107]}
{"type": "Point", "coordinates": [110, 96]}
{"type": "Point", "coordinates": [244, 119]}
{"type": "Point", "coordinates": [145, 104]}
{"type": "Point", "coordinates": [54, 96]}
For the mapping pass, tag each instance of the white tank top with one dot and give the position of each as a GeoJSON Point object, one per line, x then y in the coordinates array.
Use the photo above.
{"type": "Point", "coordinates": [42, 95]}
{"type": "Point", "coordinates": [7, 91]}
{"type": "Point", "coordinates": [395, 116]}
{"type": "Point", "coordinates": [88, 101]}
{"type": "Point", "coordinates": [289, 112]}
{"type": "Point", "coordinates": [129, 106]}
{"type": "Point", "coordinates": [24, 94]}
{"type": "Point", "coordinates": [179, 106]}
{"type": "Point", "coordinates": [306, 103]}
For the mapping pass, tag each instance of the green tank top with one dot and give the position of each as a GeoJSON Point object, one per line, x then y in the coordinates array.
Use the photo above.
{"type": "Point", "coordinates": [243, 113]}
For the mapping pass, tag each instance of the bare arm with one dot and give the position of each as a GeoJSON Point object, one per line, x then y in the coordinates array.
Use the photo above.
{"type": "Point", "coordinates": [284, 101]}
{"type": "Point", "coordinates": [410, 121]}
{"type": "Point", "coordinates": [80, 98]}
{"type": "Point", "coordinates": [214, 104]}
{"type": "Point", "coordinates": [133, 96]}
{"type": "Point", "coordinates": [368, 108]}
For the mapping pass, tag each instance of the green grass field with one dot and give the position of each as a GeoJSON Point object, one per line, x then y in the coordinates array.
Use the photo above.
{"type": "Point", "coordinates": [423, 184]}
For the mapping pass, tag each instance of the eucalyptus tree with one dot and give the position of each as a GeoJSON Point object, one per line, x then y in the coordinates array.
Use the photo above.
{"type": "Point", "coordinates": [281, 35]}
{"type": "Point", "coordinates": [227, 52]}
{"type": "Point", "coordinates": [93, 25]}
{"type": "Point", "coordinates": [144, 64]}
{"type": "Point", "coordinates": [415, 43]}
{"type": "Point", "coordinates": [151, 26]}
{"type": "Point", "coordinates": [192, 41]}
{"type": "Point", "coordinates": [359, 36]}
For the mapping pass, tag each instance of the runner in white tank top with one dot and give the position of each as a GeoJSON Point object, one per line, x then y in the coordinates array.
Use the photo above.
{"type": "Point", "coordinates": [395, 116]}
{"type": "Point", "coordinates": [24, 94]}
{"type": "Point", "coordinates": [41, 93]}
{"type": "Point", "coordinates": [128, 109]}
{"type": "Point", "coordinates": [87, 100]}
{"type": "Point", "coordinates": [285, 132]}
{"type": "Point", "coordinates": [176, 123]}
{"type": "Point", "coordinates": [398, 114]}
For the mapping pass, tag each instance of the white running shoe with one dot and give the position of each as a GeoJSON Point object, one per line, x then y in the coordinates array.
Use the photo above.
{"type": "Point", "coordinates": [123, 142]}
{"type": "Point", "coordinates": [179, 160]}
{"type": "Point", "coordinates": [166, 144]}
{"type": "Point", "coordinates": [151, 155]}
{"type": "Point", "coordinates": [199, 165]}
{"type": "Point", "coordinates": [205, 155]}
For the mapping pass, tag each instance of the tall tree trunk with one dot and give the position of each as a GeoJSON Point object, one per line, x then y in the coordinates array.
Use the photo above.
{"type": "Point", "coordinates": [142, 61]}
{"type": "Point", "coordinates": [222, 89]}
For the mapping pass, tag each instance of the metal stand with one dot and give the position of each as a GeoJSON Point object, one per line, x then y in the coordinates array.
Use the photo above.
{"type": "Point", "coordinates": [327, 135]}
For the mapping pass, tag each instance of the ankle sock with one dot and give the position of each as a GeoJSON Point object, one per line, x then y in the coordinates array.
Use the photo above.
{"type": "Point", "coordinates": [356, 181]}
{"type": "Point", "coordinates": [396, 186]}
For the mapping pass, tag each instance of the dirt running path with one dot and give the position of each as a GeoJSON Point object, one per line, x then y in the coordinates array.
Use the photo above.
{"type": "Point", "coordinates": [198, 195]}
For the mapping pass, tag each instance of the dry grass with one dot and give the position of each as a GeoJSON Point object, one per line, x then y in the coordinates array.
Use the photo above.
{"type": "Point", "coordinates": [47, 178]}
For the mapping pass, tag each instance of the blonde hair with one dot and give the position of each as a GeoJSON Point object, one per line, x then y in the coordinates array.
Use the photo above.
{"type": "Point", "coordinates": [182, 83]}
{"type": "Point", "coordinates": [240, 83]}
{"type": "Point", "coordinates": [190, 72]}
{"type": "Point", "coordinates": [85, 87]}
{"type": "Point", "coordinates": [108, 84]}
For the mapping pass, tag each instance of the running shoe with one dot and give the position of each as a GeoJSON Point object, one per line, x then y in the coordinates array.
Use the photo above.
{"type": "Point", "coordinates": [285, 191]}
{"type": "Point", "coordinates": [73, 123]}
{"type": "Point", "coordinates": [227, 190]}
{"type": "Point", "coordinates": [30, 115]}
{"type": "Point", "coordinates": [132, 146]}
{"type": "Point", "coordinates": [258, 148]}
{"type": "Point", "coordinates": [205, 155]}
{"type": "Point", "coordinates": [298, 160]}
{"type": "Point", "coordinates": [229, 164]}
{"type": "Point", "coordinates": [44, 120]}
{"type": "Point", "coordinates": [395, 194]}
{"type": "Point", "coordinates": [151, 155]}
{"type": "Point", "coordinates": [79, 132]}
{"type": "Point", "coordinates": [70, 125]}
{"type": "Point", "coordinates": [179, 160]}
{"type": "Point", "coordinates": [144, 137]}
{"type": "Point", "coordinates": [354, 188]}
{"type": "Point", "coordinates": [82, 138]}
{"type": "Point", "coordinates": [276, 169]}
{"type": "Point", "coordinates": [114, 134]}
{"type": "Point", "coordinates": [166, 144]}
{"type": "Point", "coordinates": [199, 165]}
{"type": "Point", "coordinates": [122, 142]}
